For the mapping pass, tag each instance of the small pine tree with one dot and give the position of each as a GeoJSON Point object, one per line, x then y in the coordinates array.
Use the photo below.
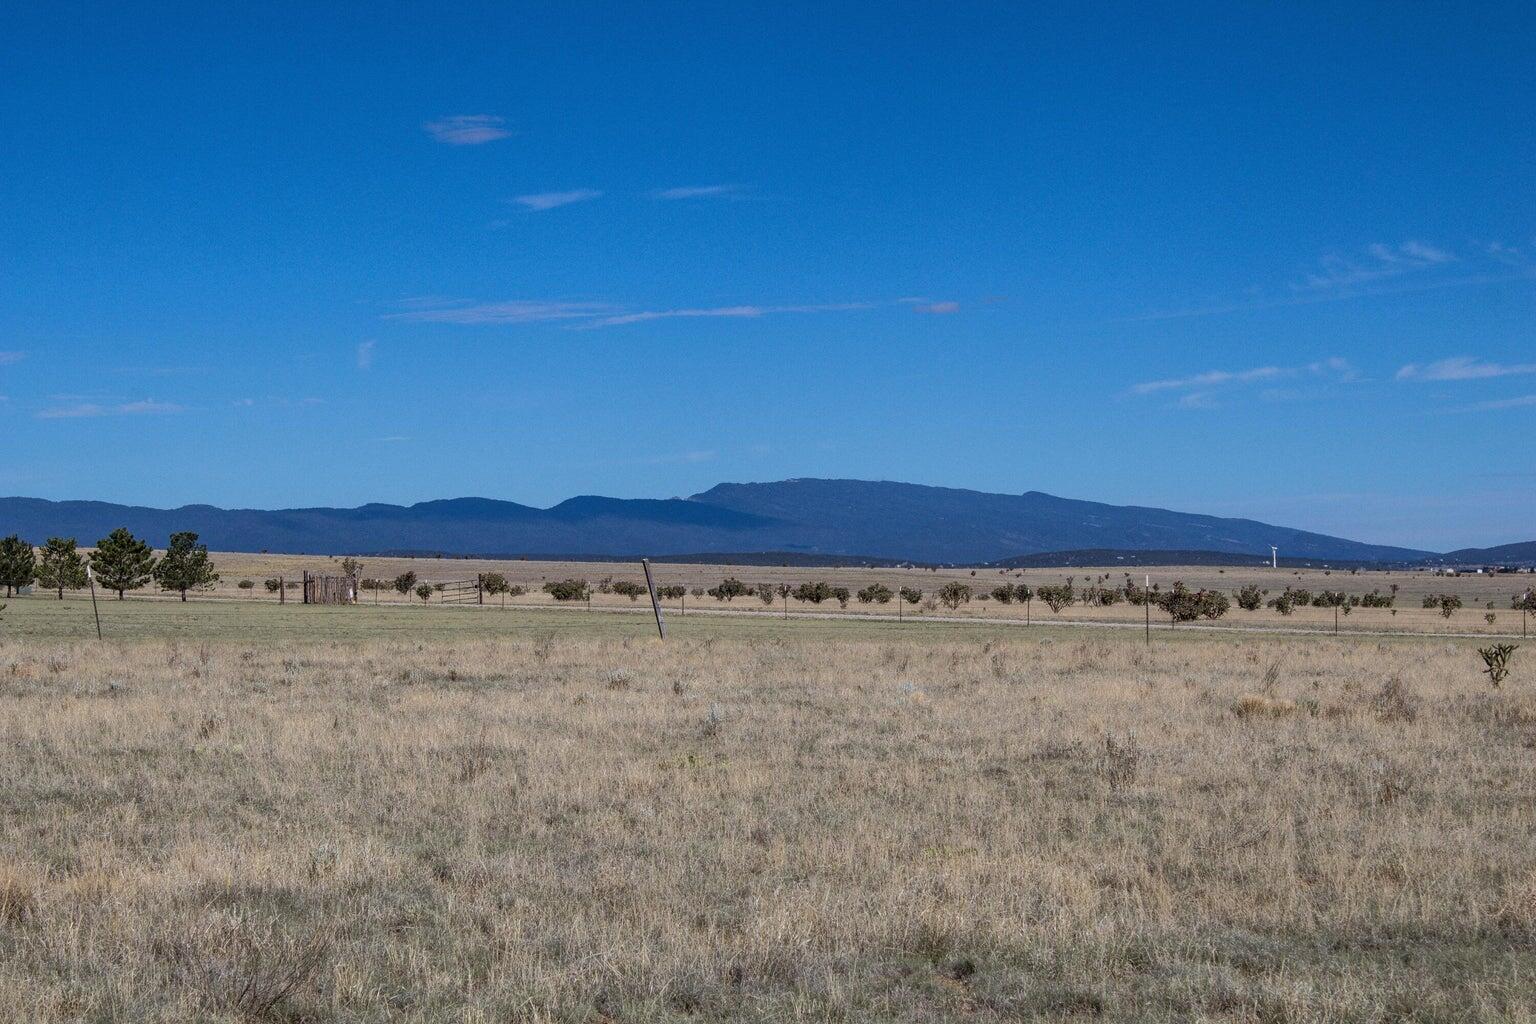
{"type": "Point", "coordinates": [424, 591]}
{"type": "Point", "coordinates": [123, 562]}
{"type": "Point", "coordinates": [18, 563]}
{"type": "Point", "coordinates": [61, 567]}
{"type": "Point", "coordinates": [405, 583]}
{"type": "Point", "coordinates": [186, 566]}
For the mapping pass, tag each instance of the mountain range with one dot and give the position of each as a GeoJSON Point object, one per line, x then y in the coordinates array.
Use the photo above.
{"type": "Point", "coordinates": [803, 518]}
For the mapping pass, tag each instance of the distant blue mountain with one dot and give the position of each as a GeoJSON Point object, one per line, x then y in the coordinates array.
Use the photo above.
{"type": "Point", "coordinates": [802, 517]}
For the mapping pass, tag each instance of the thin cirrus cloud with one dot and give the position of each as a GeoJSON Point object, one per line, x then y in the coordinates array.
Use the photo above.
{"type": "Point", "coordinates": [1463, 368]}
{"type": "Point", "coordinates": [1198, 387]}
{"type": "Point", "coordinates": [1211, 378]}
{"type": "Point", "coordinates": [697, 192]}
{"type": "Point", "coordinates": [736, 312]}
{"type": "Point", "coordinates": [365, 351]}
{"type": "Point", "coordinates": [550, 200]}
{"type": "Point", "coordinates": [1377, 262]}
{"type": "Point", "coordinates": [516, 312]}
{"type": "Point", "coordinates": [593, 315]}
{"type": "Point", "coordinates": [7, 358]}
{"type": "Point", "coordinates": [467, 129]}
{"type": "Point", "coordinates": [1519, 402]}
{"type": "Point", "coordinates": [1377, 270]}
{"type": "Point", "coordinates": [92, 410]}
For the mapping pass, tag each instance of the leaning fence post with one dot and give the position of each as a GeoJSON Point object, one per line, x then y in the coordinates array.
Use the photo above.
{"type": "Point", "coordinates": [650, 585]}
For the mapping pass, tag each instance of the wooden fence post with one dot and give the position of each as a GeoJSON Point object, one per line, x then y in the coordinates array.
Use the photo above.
{"type": "Point", "coordinates": [650, 585]}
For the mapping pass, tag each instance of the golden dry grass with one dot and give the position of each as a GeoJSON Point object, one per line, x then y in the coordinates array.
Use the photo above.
{"type": "Point", "coordinates": [738, 827]}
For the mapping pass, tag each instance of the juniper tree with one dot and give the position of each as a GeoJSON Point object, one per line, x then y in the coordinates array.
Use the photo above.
{"type": "Point", "coordinates": [954, 595]}
{"type": "Point", "coordinates": [18, 564]}
{"type": "Point", "coordinates": [629, 589]}
{"type": "Point", "coordinates": [815, 593]}
{"type": "Point", "coordinates": [186, 566]}
{"type": "Point", "coordinates": [122, 562]}
{"type": "Point", "coordinates": [61, 566]}
{"type": "Point", "coordinates": [1056, 597]}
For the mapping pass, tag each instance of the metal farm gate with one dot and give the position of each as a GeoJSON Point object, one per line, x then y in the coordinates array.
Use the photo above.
{"type": "Point", "coordinates": [461, 592]}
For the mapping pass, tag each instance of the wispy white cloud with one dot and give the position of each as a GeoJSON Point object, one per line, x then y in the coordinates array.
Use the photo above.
{"type": "Point", "coordinates": [550, 200]}
{"type": "Point", "coordinates": [1375, 271]}
{"type": "Point", "coordinates": [1199, 387]}
{"type": "Point", "coordinates": [1519, 402]}
{"type": "Point", "coordinates": [1463, 368]}
{"type": "Point", "coordinates": [592, 315]}
{"type": "Point", "coordinates": [7, 358]}
{"type": "Point", "coordinates": [517, 312]}
{"type": "Point", "coordinates": [467, 129]}
{"type": "Point", "coordinates": [937, 307]}
{"type": "Point", "coordinates": [747, 312]}
{"type": "Point", "coordinates": [365, 350]}
{"type": "Point", "coordinates": [1208, 379]}
{"type": "Point", "coordinates": [1378, 261]}
{"type": "Point", "coordinates": [697, 192]}
{"type": "Point", "coordinates": [88, 410]}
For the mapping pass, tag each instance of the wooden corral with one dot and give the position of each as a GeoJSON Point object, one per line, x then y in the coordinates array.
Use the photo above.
{"type": "Point", "coordinates": [329, 589]}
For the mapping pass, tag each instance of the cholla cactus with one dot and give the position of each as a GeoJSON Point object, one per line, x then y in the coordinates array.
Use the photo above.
{"type": "Point", "coordinates": [1497, 660]}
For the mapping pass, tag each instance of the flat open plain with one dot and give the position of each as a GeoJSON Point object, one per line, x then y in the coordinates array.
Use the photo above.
{"type": "Point", "coordinates": [235, 813]}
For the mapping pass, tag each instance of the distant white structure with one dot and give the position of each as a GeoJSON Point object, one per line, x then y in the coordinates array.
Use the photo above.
{"type": "Point", "coordinates": [1274, 557]}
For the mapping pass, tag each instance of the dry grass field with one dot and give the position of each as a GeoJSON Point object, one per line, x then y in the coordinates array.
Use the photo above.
{"type": "Point", "coordinates": [337, 815]}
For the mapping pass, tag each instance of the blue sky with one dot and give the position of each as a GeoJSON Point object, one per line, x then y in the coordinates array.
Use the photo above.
{"type": "Point", "coordinates": [1276, 261]}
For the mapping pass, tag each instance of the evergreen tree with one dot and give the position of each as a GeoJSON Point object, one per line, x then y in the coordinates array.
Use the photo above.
{"type": "Point", "coordinates": [61, 567]}
{"type": "Point", "coordinates": [185, 566]}
{"type": "Point", "coordinates": [123, 562]}
{"type": "Point", "coordinates": [17, 563]}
